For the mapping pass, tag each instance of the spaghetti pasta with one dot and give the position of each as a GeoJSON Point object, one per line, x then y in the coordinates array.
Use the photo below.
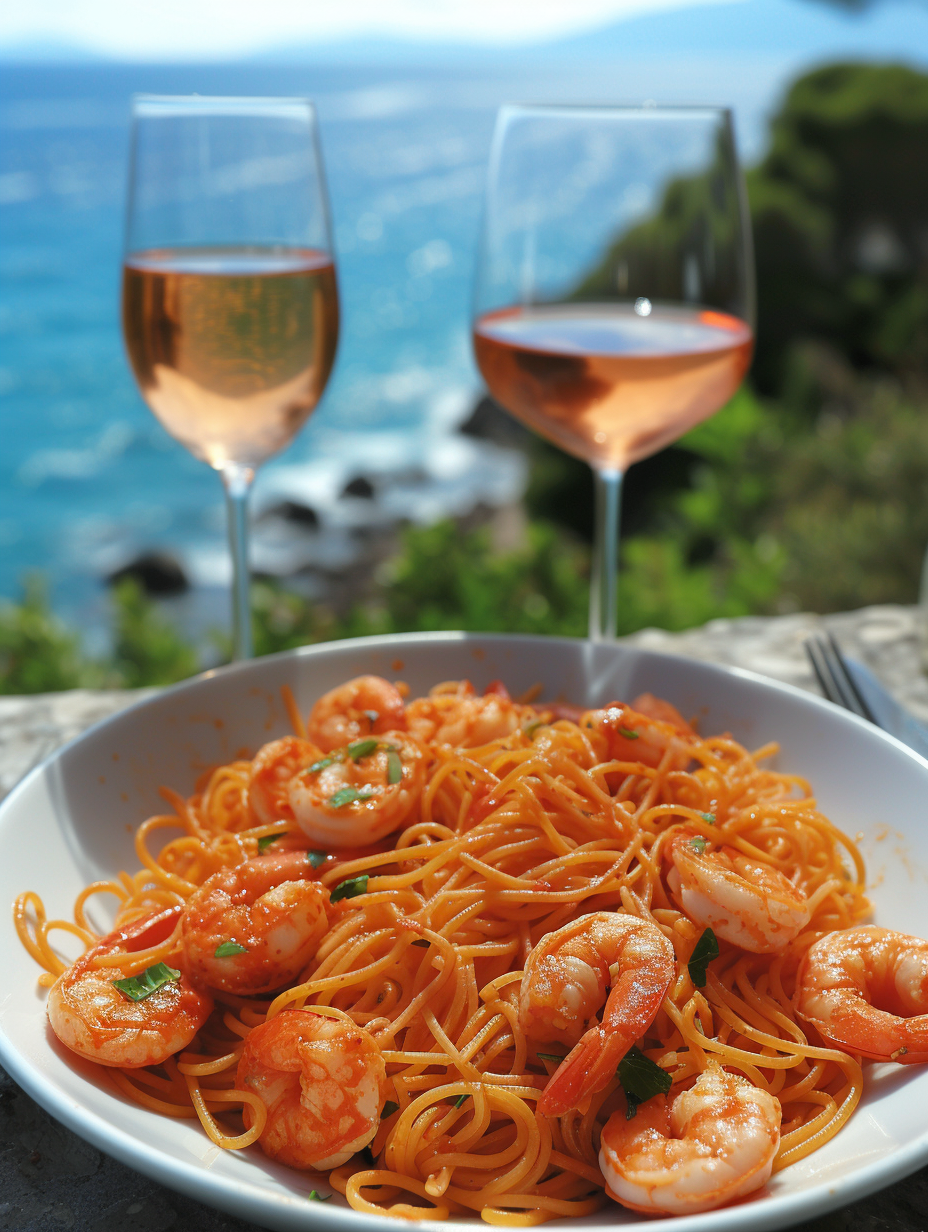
{"type": "Point", "coordinates": [528, 818]}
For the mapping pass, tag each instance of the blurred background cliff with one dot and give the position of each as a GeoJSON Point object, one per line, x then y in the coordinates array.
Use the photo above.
{"type": "Point", "coordinates": [410, 502]}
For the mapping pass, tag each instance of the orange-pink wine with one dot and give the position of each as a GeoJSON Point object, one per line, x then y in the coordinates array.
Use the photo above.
{"type": "Point", "coordinates": [231, 347]}
{"type": "Point", "coordinates": [607, 384]}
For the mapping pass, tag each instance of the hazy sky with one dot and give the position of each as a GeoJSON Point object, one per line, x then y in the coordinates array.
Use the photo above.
{"type": "Point", "coordinates": [180, 28]}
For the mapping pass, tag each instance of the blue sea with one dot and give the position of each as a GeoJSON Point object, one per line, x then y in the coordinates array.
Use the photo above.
{"type": "Point", "coordinates": [87, 476]}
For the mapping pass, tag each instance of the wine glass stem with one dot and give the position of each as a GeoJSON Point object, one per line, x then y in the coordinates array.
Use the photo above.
{"type": "Point", "coordinates": [604, 572]}
{"type": "Point", "coordinates": [237, 480]}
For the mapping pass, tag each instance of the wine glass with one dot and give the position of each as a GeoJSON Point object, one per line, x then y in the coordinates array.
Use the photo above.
{"type": "Point", "coordinates": [614, 301]}
{"type": "Point", "coordinates": [229, 298]}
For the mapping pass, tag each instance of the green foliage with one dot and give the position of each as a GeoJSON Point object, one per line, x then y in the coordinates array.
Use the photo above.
{"type": "Point", "coordinates": [282, 620]}
{"type": "Point", "coordinates": [445, 580]}
{"type": "Point", "coordinates": [37, 653]}
{"type": "Point", "coordinates": [838, 208]}
{"type": "Point", "coordinates": [809, 497]}
{"type": "Point", "coordinates": [648, 259]}
{"type": "Point", "coordinates": [848, 510]}
{"type": "Point", "coordinates": [147, 649]}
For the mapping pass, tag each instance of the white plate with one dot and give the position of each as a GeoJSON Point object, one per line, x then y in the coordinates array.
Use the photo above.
{"type": "Point", "coordinates": [71, 821]}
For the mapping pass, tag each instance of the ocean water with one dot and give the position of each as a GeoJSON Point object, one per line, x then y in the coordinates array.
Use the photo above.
{"type": "Point", "coordinates": [87, 476]}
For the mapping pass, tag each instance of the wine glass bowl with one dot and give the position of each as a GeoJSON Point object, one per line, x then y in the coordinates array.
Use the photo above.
{"type": "Point", "coordinates": [231, 347]}
{"type": "Point", "coordinates": [614, 297]}
{"type": "Point", "coordinates": [229, 296]}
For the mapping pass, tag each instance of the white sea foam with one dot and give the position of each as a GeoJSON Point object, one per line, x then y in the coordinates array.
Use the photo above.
{"type": "Point", "coordinates": [46, 464]}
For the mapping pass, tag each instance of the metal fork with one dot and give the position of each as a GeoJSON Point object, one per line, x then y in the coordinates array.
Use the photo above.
{"type": "Point", "coordinates": [833, 676]}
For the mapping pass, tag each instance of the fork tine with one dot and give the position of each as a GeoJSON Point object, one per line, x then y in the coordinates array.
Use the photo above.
{"type": "Point", "coordinates": [848, 681]}
{"type": "Point", "coordinates": [823, 675]}
{"type": "Point", "coordinates": [834, 679]}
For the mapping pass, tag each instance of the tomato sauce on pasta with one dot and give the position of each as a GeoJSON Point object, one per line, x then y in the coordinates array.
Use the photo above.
{"type": "Point", "coordinates": [527, 819]}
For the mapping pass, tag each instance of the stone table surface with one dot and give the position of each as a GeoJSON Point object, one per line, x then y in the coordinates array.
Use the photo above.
{"type": "Point", "coordinates": [50, 1179]}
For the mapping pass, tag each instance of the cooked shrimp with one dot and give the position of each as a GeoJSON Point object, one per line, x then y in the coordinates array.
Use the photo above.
{"type": "Point", "coordinates": [659, 708]}
{"type": "Point", "coordinates": [365, 706]}
{"type": "Point", "coordinates": [270, 912]}
{"type": "Point", "coordinates": [322, 1081]}
{"type": "Point", "coordinates": [271, 770]}
{"type": "Point", "coordinates": [564, 984]}
{"type": "Point", "coordinates": [627, 734]}
{"type": "Point", "coordinates": [866, 991]}
{"type": "Point", "coordinates": [93, 1018]}
{"type": "Point", "coordinates": [748, 904]}
{"type": "Point", "coordinates": [361, 792]}
{"type": "Point", "coordinates": [453, 714]}
{"type": "Point", "coordinates": [713, 1144]}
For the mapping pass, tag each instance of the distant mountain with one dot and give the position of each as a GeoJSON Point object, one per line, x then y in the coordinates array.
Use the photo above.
{"type": "Point", "coordinates": [762, 27]}
{"type": "Point", "coordinates": [48, 51]}
{"type": "Point", "coordinates": [893, 28]}
{"type": "Point", "coordinates": [771, 28]}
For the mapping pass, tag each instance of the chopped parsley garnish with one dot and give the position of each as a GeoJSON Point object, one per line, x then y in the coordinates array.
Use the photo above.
{"type": "Point", "coordinates": [316, 1196]}
{"type": "Point", "coordinates": [362, 748]}
{"type": "Point", "coordinates": [138, 987]}
{"type": "Point", "coordinates": [316, 858]}
{"type": "Point", "coordinates": [348, 795]}
{"type": "Point", "coordinates": [628, 733]}
{"type": "Point", "coordinates": [394, 765]}
{"type": "Point", "coordinates": [461, 1098]}
{"type": "Point", "coordinates": [705, 949]}
{"type": "Point", "coordinates": [389, 1108]}
{"type": "Point", "coordinates": [266, 839]}
{"type": "Point", "coordinates": [709, 818]}
{"type": "Point", "coordinates": [323, 762]}
{"type": "Point", "coordinates": [227, 948]}
{"type": "Point", "coordinates": [530, 728]}
{"type": "Point", "coordinates": [350, 888]}
{"type": "Point", "coordinates": [641, 1079]}
{"type": "Point", "coordinates": [549, 1056]}
{"type": "Point", "coordinates": [698, 844]}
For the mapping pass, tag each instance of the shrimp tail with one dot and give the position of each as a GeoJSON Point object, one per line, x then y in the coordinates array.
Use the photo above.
{"type": "Point", "coordinates": [589, 1066]}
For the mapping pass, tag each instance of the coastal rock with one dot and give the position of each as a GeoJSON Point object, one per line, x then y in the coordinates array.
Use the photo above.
{"type": "Point", "coordinates": [158, 573]}
{"type": "Point", "coordinates": [295, 512]}
{"type": "Point", "coordinates": [489, 422]}
{"type": "Point", "coordinates": [361, 487]}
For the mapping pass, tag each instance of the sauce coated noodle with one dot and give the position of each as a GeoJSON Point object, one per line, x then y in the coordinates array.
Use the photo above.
{"type": "Point", "coordinates": [523, 830]}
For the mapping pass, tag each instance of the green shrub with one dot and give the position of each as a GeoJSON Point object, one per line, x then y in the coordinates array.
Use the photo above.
{"type": "Point", "coordinates": [38, 654]}
{"type": "Point", "coordinates": [147, 649]}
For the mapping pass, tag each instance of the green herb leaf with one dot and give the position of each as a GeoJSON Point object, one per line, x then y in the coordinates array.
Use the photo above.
{"type": "Point", "coordinates": [698, 844]}
{"type": "Point", "coordinates": [350, 888]}
{"type": "Point", "coordinates": [322, 763]}
{"type": "Point", "coordinates": [347, 795]}
{"type": "Point", "coordinates": [709, 818]}
{"type": "Point", "coordinates": [227, 948]}
{"type": "Point", "coordinates": [458, 1103]}
{"type": "Point", "coordinates": [317, 858]}
{"type": "Point", "coordinates": [388, 1109]}
{"type": "Point", "coordinates": [316, 1196]}
{"type": "Point", "coordinates": [549, 1056]}
{"type": "Point", "coordinates": [705, 949]}
{"type": "Point", "coordinates": [362, 748]}
{"type": "Point", "coordinates": [266, 839]}
{"type": "Point", "coordinates": [628, 733]}
{"type": "Point", "coordinates": [530, 728]}
{"type": "Point", "coordinates": [640, 1079]}
{"type": "Point", "coordinates": [138, 987]}
{"type": "Point", "coordinates": [394, 765]}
